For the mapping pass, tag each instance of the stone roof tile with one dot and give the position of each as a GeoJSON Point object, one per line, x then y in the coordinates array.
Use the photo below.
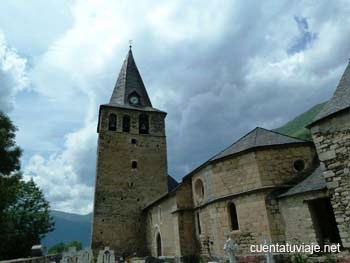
{"type": "Point", "coordinates": [172, 183]}
{"type": "Point", "coordinates": [313, 182]}
{"type": "Point", "coordinates": [259, 137]}
{"type": "Point", "coordinates": [129, 81]}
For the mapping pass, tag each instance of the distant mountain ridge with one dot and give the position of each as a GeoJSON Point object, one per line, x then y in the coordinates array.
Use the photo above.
{"type": "Point", "coordinates": [73, 227]}
{"type": "Point", "coordinates": [296, 127]}
{"type": "Point", "coordinates": [69, 227]}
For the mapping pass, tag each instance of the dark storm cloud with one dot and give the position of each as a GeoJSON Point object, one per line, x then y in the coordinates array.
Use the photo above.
{"type": "Point", "coordinates": [217, 102]}
{"type": "Point", "coordinates": [219, 70]}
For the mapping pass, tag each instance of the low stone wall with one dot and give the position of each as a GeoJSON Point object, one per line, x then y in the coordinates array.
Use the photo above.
{"type": "Point", "coordinates": [44, 259]}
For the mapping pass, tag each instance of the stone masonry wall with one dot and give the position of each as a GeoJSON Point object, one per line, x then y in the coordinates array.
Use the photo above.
{"type": "Point", "coordinates": [297, 219]}
{"type": "Point", "coordinates": [216, 225]}
{"type": "Point", "coordinates": [277, 229]}
{"type": "Point", "coordinates": [332, 140]}
{"type": "Point", "coordinates": [184, 200]}
{"type": "Point", "coordinates": [188, 244]}
{"type": "Point", "coordinates": [232, 175]}
{"type": "Point", "coordinates": [276, 167]}
{"type": "Point", "coordinates": [184, 195]}
{"type": "Point", "coordinates": [176, 224]}
{"type": "Point", "coordinates": [162, 220]}
{"type": "Point", "coordinates": [122, 191]}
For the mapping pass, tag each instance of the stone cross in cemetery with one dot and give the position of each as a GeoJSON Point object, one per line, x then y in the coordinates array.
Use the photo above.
{"type": "Point", "coordinates": [230, 249]}
{"type": "Point", "coordinates": [106, 256]}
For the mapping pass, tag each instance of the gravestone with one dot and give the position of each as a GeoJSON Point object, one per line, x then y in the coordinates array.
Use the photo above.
{"type": "Point", "coordinates": [37, 251]}
{"type": "Point", "coordinates": [230, 249]}
{"type": "Point", "coordinates": [70, 256]}
{"type": "Point", "coordinates": [85, 256]}
{"type": "Point", "coordinates": [106, 256]}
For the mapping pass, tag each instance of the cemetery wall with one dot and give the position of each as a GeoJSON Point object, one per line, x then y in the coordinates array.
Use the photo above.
{"type": "Point", "coordinates": [44, 259]}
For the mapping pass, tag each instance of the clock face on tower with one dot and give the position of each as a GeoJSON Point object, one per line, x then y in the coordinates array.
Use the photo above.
{"type": "Point", "coordinates": [134, 100]}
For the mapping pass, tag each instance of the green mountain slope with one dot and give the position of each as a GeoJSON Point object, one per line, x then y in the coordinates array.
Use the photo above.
{"type": "Point", "coordinates": [296, 127]}
{"type": "Point", "coordinates": [69, 227]}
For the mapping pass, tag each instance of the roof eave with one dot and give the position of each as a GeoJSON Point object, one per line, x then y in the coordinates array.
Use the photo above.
{"type": "Point", "coordinates": [162, 197]}
{"type": "Point", "coordinates": [302, 192]}
{"type": "Point", "coordinates": [263, 148]}
{"type": "Point", "coordinates": [313, 123]}
{"type": "Point", "coordinates": [213, 161]}
{"type": "Point", "coordinates": [148, 109]}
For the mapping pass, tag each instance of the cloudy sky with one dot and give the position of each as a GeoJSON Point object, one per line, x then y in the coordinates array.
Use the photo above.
{"type": "Point", "coordinates": [219, 68]}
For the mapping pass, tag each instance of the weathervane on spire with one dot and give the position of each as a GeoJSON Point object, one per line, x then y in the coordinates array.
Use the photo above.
{"type": "Point", "coordinates": [130, 43]}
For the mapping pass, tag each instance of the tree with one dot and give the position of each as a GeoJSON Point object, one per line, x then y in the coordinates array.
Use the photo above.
{"type": "Point", "coordinates": [9, 162]}
{"type": "Point", "coordinates": [24, 212]}
{"type": "Point", "coordinates": [76, 244]}
{"type": "Point", "coordinates": [62, 247]}
{"type": "Point", "coordinates": [9, 151]}
{"type": "Point", "coordinates": [26, 221]}
{"type": "Point", "coordinates": [57, 249]}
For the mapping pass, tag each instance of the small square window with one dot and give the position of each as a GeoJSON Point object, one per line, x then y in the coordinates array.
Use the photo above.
{"type": "Point", "coordinates": [133, 141]}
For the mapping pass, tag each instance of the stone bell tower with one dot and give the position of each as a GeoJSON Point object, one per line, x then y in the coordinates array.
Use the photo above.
{"type": "Point", "coordinates": [131, 164]}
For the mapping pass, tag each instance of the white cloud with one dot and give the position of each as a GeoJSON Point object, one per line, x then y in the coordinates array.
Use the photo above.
{"type": "Point", "coordinates": [13, 76]}
{"type": "Point", "coordinates": [64, 178]}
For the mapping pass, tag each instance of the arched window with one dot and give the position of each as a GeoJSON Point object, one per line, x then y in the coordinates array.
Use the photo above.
{"type": "Point", "coordinates": [126, 123]}
{"type": "Point", "coordinates": [233, 216]}
{"type": "Point", "coordinates": [199, 190]}
{"type": "Point", "coordinates": [159, 245]}
{"type": "Point", "coordinates": [143, 124]}
{"type": "Point", "coordinates": [112, 122]}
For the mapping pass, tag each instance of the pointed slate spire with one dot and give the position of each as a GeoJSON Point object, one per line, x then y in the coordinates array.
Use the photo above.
{"type": "Point", "coordinates": [340, 100]}
{"type": "Point", "coordinates": [129, 89]}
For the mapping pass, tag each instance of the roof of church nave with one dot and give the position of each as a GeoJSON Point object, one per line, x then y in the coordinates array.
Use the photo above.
{"type": "Point", "coordinates": [258, 137]}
